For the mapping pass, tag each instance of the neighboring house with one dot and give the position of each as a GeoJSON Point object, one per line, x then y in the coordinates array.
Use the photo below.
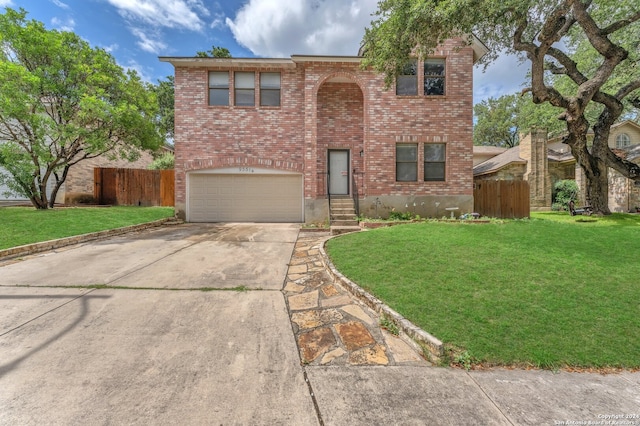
{"type": "Point", "coordinates": [78, 187]}
{"type": "Point", "coordinates": [544, 162]}
{"type": "Point", "coordinates": [268, 139]}
{"type": "Point", "coordinates": [483, 153]}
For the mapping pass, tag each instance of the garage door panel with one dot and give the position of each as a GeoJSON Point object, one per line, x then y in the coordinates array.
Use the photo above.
{"type": "Point", "coordinates": [245, 198]}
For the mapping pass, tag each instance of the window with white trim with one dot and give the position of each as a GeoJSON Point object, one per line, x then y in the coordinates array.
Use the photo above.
{"type": "Point", "coordinates": [219, 88]}
{"type": "Point", "coordinates": [244, 84]}
{"type": "Point", "coordinates": [622, 140]}
{"type": "Point", "coordinates": [406, 162]}
{"type": "Point", "coordinates": [270, 89]}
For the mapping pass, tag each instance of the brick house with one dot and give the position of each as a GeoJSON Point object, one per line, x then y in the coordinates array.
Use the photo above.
{"type": "Point", "coordinates": [270, 139]}
{"type": "Point", "coordinates": [78, 186]}
{"type": "Point", "coordinates": [544, 162]}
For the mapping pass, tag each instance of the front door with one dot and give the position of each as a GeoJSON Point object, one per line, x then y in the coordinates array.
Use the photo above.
{"type": "Point", "coordinates": [338, 172]}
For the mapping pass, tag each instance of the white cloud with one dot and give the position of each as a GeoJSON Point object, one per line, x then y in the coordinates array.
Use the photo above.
{"type": "Point", "coordinates": [111, 48]}
{"type": "Point", "coordinates": [164, 13]}
{"type": "Point", "coordinates": [60, 4]}
{"type": "Point", "coordinates": [280, 28]}
{"type": "Point", "coordinates": [218, 21]}
{"type": "Point", "coordinates": [64, 25]}
{"type": "Point", "coordinates": [4, 3]}
{"type": "Point", "coordinates": [147, 43]}
{"type": "Point", "coordinates": [505, 76]}
{"type": "Point", "coordinates": [135, 66]}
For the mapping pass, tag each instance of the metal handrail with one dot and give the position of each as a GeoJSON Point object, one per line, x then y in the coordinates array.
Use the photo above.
{"type": "Point", "coordinates": [354, 192]}
{"type": "Point", "coordinates": [329, 196]}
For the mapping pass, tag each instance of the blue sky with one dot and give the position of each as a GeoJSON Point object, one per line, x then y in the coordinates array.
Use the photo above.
{"type": "Point", "coordinates": [136, 32]}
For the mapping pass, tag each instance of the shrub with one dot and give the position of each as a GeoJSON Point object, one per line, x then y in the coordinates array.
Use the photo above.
{"type": "Point", "coordinates": [394, 215]}
{"type": "Point", "coordinates": [165, 162]}
{"type": "Point", "coordinates": [565, 191]}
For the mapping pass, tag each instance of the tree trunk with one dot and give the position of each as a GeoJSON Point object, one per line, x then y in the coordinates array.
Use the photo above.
{"type": "Point", "coordinates": [59, 182]}
{"type": "Point", "coordinates": [38, 202]}
{"type": "Point", "coordinates": [597, 188]}
{"type": "Point", "coordinates": [593, 162]}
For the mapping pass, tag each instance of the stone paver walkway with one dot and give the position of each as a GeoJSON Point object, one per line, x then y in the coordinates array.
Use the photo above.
{"type": "Point", "coordinates": [331, 327]}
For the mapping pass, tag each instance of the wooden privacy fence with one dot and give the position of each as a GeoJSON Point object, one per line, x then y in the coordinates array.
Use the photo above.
{"type": "Point", "coordinates": [133, 187]}
{"type": "Point", "coordinates": [506, 199]}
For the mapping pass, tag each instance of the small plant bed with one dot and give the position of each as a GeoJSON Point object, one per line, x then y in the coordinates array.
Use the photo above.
{"type": "Point", "coordinates": [26, 225]}
{"type": "Point", "coordinates": [541, 293]}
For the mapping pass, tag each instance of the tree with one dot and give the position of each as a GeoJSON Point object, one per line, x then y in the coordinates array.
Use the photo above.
{"type": "Point", "coordinates": [165, 95]}
{"type": "Point", "coordinates": [215, 52]}
{"type": "Point", "coordinates": [548, 34]}
{"type": "Point", "coordinates": [164, 162]}
{"type": "Point", "coordinates": [62, 102]}
{"type": "Point", "coordinates": [497, 122]}
{"type": "Point", "coordinates": [500, 121]}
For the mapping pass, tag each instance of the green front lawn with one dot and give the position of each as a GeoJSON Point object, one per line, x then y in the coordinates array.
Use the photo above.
{"type": "Point", "coordinates": [26, 225]}
{"type": "Point", "coordinates": [548, 292]}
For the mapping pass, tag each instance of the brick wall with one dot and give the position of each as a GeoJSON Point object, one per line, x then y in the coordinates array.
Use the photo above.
{"type": "Point", "coordinates": [329, 103]}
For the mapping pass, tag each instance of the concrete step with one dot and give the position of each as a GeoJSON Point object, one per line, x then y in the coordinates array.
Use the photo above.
{"type": "Point", "coordinates": [343, 207]}
{"type": "Point", "coordinates": [338, 230]}
{"type": "Point", "coordinates": [344, 217]}
{"type": "Point", "coordinates": [344, 222]}
{"type": "Point", "coordinates": [343, 211]}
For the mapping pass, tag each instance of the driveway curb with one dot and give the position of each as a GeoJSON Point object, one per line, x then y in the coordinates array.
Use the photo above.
{"type": "Point", "coordinates": [429, 345]}
{"type": "Point", "coordinates": [77, 239]}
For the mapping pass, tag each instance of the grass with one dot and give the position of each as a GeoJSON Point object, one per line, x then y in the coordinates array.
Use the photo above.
{"type": "Point", "coordinates": [549, 292]}
{"type": "Point", "coordinates": [26, 225]}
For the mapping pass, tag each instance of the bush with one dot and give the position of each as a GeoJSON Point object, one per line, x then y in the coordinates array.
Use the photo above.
{"type": "Point", "coordinates": [394, 215]}
{"type": "Point", "coordinates": [565, 191]}
{"type": "Point", "coordinates": [165, 162]}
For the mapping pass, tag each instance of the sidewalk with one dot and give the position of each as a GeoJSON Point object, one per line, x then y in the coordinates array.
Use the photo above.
{"type": "Point", "coordinates": [359, 374]}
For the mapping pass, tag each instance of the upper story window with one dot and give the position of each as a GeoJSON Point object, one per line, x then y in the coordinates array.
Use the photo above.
{"type": "Point", "coordinates": [270, 89]}
{"type": "Point", "coordinates": [244, 83]}
{"type": "Point", "coordinates": [434, 77]}
{"type": "Point", "coordinates": [407, 82]}
{"type": "Point", "coordinates": [218, 88]}
{"type": "Point", "coordinates": [434, 161]}
{"type": "Point", "coordinates": [622, 140]}
{"type": "Point", "coordinates": [406, 162]}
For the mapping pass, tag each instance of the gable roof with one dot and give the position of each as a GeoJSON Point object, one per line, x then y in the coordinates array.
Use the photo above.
{"type": "Point", "coordinates": [487, 150]}
{"type": "Point", "coordinates": [628, 153]}
{"type": "Point", "coordinates": [510, 156]}
{"type": "Point", "coordinates": [556, 152]}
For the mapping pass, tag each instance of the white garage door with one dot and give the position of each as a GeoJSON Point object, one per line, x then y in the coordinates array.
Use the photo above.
{"type": "Point", "coordinates": [245, 198]}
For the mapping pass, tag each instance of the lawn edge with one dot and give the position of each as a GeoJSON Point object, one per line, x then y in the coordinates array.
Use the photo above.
{"type": "Point", "coordinates": [43, 246]}
{"type": "Point", "coordinates": [430, 346]}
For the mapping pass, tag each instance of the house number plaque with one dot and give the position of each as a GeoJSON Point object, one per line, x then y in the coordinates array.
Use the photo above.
{"type": "Point", "coordinates": [245, 170]}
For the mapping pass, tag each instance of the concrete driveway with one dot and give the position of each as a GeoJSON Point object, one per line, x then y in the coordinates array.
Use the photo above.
{"type": "Point", "coordinates": [189, 325]}
{"type": "Point", "coordinates": [151, 350]}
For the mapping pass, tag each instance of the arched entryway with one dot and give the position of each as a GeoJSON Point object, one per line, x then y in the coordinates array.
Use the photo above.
{"type": "Point", "coordinates": [340, 135]}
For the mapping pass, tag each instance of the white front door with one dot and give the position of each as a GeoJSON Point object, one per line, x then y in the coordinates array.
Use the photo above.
{"type": "Point", "coordinates": [338, 172]}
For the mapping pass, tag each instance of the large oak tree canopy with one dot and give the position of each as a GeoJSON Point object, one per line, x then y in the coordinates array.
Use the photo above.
{"type": "Point", "coordinates": [61, 102]}
{"type": "Point", "coordinates": [594, 44]}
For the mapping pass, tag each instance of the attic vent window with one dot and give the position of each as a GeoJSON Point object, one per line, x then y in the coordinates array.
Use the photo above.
{"type": "Point", "coordinates": [622, 140]}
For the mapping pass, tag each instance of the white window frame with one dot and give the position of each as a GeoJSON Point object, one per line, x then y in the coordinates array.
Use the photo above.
{"type": "Point", "coordinates": [623, 140]}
